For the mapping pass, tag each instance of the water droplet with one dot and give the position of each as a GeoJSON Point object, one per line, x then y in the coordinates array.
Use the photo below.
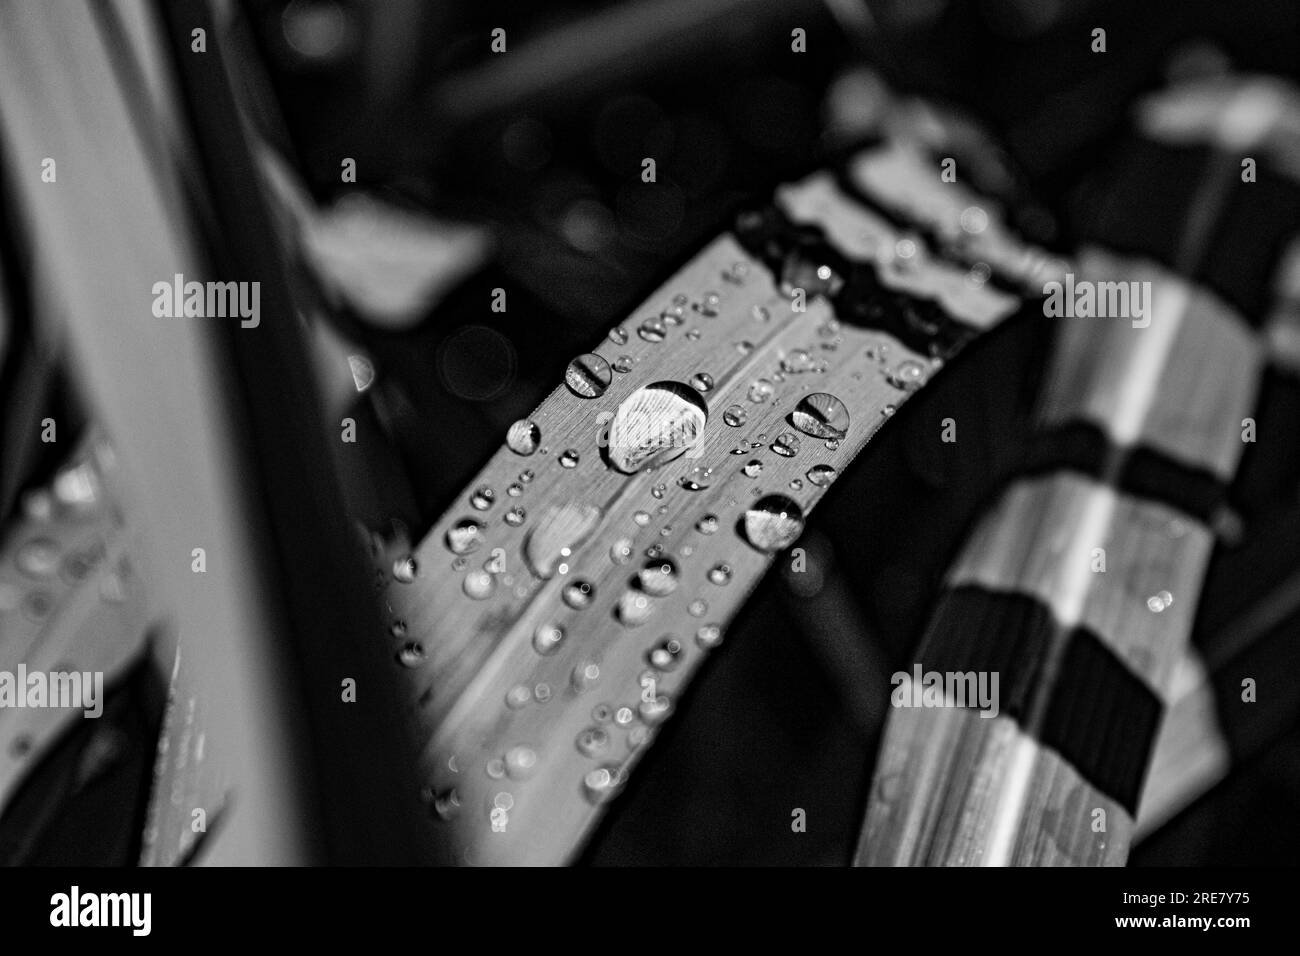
{"type": "Point", "coordinates": [908, 375]}
{"type": "Point", "coordinates": [744, 346]}
{"type": "Point", "coordinates": [514, 490]}
{"type": "Point", "coordinates": [832, 444]}
{"type": "Point", "coordinates": [1159, 602]}
{"type": "Point", "coordinates": [516, 516]}
{"type": "Point", "coordinates": [786, 444]}
{"type": "Point", "coordinates": [479, 585]}
{"type": "Point", "coordinates": [656, 711]}
{"type": "Point", "coordinates": [569, 458]}
{"type": "Point", "coordinates": [773, 522]}
{"type": "Point", "coordinates": [602, 783]}
{"type": "Point", "coordinates": [526, 476]}
{"type": "Point", "coordinates": [673, 315]}
{"type": "Point", "coordinates": [753, 468]}
{"type": "Point", "coordinates": [547, 638]}
{"type": "Point", "coordinates": [397, 628]}
{"type": "Point", "coordinates": [620, 552]}
{"type": "Point", "coordinates": [658, 577]}
{"type": "Point", "coordinates": [708, 636]}
{"type": "Point", "coordinates": [482, 498]}
{"type": "Point", "coordinates": [821, 415]}
{"type": "Point", "coordinates": [624, 716]}
{"type": "Point", "coordinates": [720, 574]}
{"type": "Point", "coordinates": [557, 535]}
{"type": "Point", "coordinates": [653, 329]}
{"type": "Point", "coordinates": [709, 304]}
{"type": "Point", "coordinates": [760, 313]}
{"type": "Point", "coordinates": [979, 274]}
{"type": "Point", "coordinates": [658, 490]}
{"type": "Point", "coordinates": [76, 486]}
{"type": "Point", "coordinates": [579, 594]}
{"type": "Point", "coordinates": [405, 569]}
{"type": "Point", "coordinates": [760, 391]}
{"type": "Point", "coordinates": [737, 272]}
{"type": "Point", "coordinates": [37, 558]}
{"type": "Point", "coordinates": [592, 742]}
{"type": "Point", "coordinates": [465, 536]}
{"type": "Point", "coordinates": [974, 220]}
{"type": "Point", "coordinates": [588, 376]}
{"type": "Point", "coordinates": [665, 655]}
{"type": "Point", "coordinates": [693, 335]}
{"type": "Point", "coordinates": [623, 364]}
{"type": "Point", "coordinates": [523, 437]}
{"type": "Point", "coordinates": [618, 335]}
{"type": "Point", "coordinates": [654, 425]}
{"type": "Point", "coordinates": [584, 676]}
{"type": "Point", "coordinates": [446, 804]}
{"type": "Point", "coordinates": [518, 696]}
{"type": "Point", "coordinates": [888, 410]}
{"type": "Point", "coordinates": [642, 518]}
{"type": "Point", "coordinates": [411, 655]}
{"type": "Point", "coordinates": [520, 762]}
{"type": "Point", "coordinates": [697, 479]}
{"type": "Point", "coordinates": [821, 475]}
{"type": "Point", "coordinates": [707, 525]}
{"type": "Point", "coordinates": [496, 768]}
{"type": "Point", "coordinates": [735, 415]}
{"type": "Point", "coordinates": [542, 692]}
{"type": "Point", "coordinates": [634, 608]}
{"type": "Point", "coordinates": [702, 382]}
{"type": "Point", "coordinates": [698, 608]}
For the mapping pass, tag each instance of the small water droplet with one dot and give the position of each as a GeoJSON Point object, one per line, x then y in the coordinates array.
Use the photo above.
{"type": "Point", "coordinates": [523, 437]}
{"type": "Point", "coordinates": [697, 479]}
{"type": "Point", "coordinates": [482, 498]}
{"type": "Point", "coordinates": [665, 655]}
{"type": "Point", "coordinates": [653, 329]}
{"type": "Point", "coordinates": [735, 415]}
{"type": "Point", "coordinates": [411, 655]}
{"type": "Point", "coordinates": [821, 475]}
{"type": "Point", "coordinates": [559, 532]}
{"type": "Point", "coordinates": [832, 444]}
{"type": "Point", "coordinates": [720, 574]}
{"type": "Point", "coordinates": [888, 410]}
{"type": "Point", "coordinates": [37, 558]}
{"type": "Point", "coordinates": [518, 696]}
{"type": "Point", "coordinates": [796, 484]}
{"type": "Point", "coordinates": [624, 716]}
{"type": "Point", "coordinates": [623, 364]}
{"type": "Point", "coordinates": [786, 444]}
{"type": "Point", "coordinates": [569, 458]}
{"type": "Point", "coordinates": [702, 382]}
{"type": "Point", "coordinates": [659, 490]}
{"type": "Point", "coordinates": [602, 783]}
{"type": "Point", "coordinates": [760, 313]}
{"type": "Point", "coordinates": [773, 522]}
{"type": "Point", "coordinates": [707, 525]}
{"type": "Point", "coordinates": [446, 804]}
{"type": "Point", "coordinates": [618, 335]}
{"type": "Point", "coordinates": [821, 415]}
{"type": "Point", "coordinates": [479, 585]}
{"type": "Point", "coordinates": [584, 676]}
{"type": "Point", "coordinates": [579, 594]}
{"type": "Point", "coordinates": [397, 628]}
{"type": "Point", "coordinates": [405, 569]}
{"type": "Point", "coordinates": [753, 468]}
{"type": "Point", "coordinates": [464, 536]}
{"type": "Point", "coordinates": [514, 490]}
{"type": "Point", "coordinates": [709, 304]}
{"type": "Point", "coordinates": [634, 608]}
{"type": "Point", "coordinates": [496, 768]}
{"type": "Point", "coordinates": [737, 272]}
{"type": "Point", "coordinates": [744, 346]}
{"type": "Point", "coordinates": [588, 376]}
{"type": "Point", "coordinates": [709, 636]}
{"type": "Point", "coordinates": [693, 335]}
{"type": "Point", "coordinates": [908, 375]}
{"type": "Point", "coordinates": [520, 762]}
{"type": "Point", "coordinates": [592, 742]}
{"type": "Point", "coordinates": [542, 692]}
{"type": "Point", "coordinates": [655, 711]}
{"type": "Point", "coordinates": [526, 476]}
{"type": "Point", "coordinates": [620, 552]}
{"type": "Point", "coordinates": [760, 391]}
{"type": "Point", "coordinates": [1159, 602]}
{"type": "Point", "coordinates": [516, 516]}
{"type": "Point", "coordinates": [547, 638]}
{"type": "Point", "coordinates": [698, 608]}
{"type": "Point", "coordinates": [658, 577]}
{"type": "Point", "coordinates": [642, 518]}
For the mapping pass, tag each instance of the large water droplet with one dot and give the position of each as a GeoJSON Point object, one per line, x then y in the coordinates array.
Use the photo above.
{"type": "Point", "coordinates": [523, 437]}
{"type": "Point", "coordinates": [654, 425]}
{"type": "Point", "coordinates": [464, 536]}
{"type": "Point", "coordinates": [773, 522]}
{"type": "Point", "coordinates": [557, 534]}
{"type": "Point", "coordinates": [821, 415]}
{"type": "Point", "coordinates": [588, 376]}
{"type": "Point", "coordinates": [579, 594]}
{"type": "Point", "coordinates": [658, 577]}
